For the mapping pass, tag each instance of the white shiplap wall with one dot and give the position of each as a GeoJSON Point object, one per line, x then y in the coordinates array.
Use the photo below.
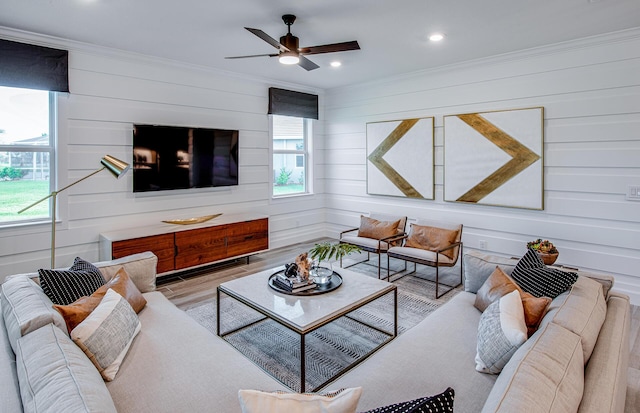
{"type": "Point", "coordinates": [590, 90]}
{"type": "Point", "coordinates": [110, 91]}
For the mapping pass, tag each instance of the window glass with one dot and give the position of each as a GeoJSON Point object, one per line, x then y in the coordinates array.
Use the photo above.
{"type": "Point", "coordinates": [290, 143]}
{"type": "Point", "coordinates": [26, 150]}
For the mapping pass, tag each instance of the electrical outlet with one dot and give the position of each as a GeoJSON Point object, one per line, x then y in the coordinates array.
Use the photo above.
{"type": "Point", "coordinates": [633, 193]}
{"type": "Point", "coordinates": [483, 244]}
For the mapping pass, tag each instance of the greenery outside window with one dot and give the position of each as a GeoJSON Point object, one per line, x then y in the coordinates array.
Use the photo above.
{"type": "Point", "coordinates": [27, 152]}
{"type": "Point", "coordinates": [290, 145]}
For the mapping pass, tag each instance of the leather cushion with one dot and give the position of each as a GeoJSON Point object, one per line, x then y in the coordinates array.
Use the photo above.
{"type": "Point", "coordinates": [499, 284]}
{"type": "Point", "coordinates": [432, 239]}
{"type": "Point", "coordinates": [121, 283]}
{"type": "Point", "coordinates": [372, 228]}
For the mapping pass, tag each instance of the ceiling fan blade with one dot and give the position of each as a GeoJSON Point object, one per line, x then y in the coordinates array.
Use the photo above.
{"type": "Point", "coordinates": [331, 48]}
{"type": "Point", "coordinates": [253, 55]}
{"type": "Point", "coordinates": [273, 42]}
{"type": "Point", "coordinates": [307, 64]}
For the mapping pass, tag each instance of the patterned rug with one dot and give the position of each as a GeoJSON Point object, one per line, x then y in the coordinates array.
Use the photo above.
{"type": "Point", "coordinates": [329, 349]}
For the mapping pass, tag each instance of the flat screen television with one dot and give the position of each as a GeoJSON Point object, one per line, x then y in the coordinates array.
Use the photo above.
{"type": "Point", "coordinates": [174, 157]}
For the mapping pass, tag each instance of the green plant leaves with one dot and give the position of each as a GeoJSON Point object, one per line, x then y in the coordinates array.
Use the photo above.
{"type": "Point", "coordinates": [327, 251]}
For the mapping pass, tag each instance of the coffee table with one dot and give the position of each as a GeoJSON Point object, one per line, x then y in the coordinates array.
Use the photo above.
{"type": "Point", "coordinates": [304, 314]}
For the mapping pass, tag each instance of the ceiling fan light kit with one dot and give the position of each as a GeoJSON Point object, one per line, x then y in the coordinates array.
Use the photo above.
{"type": "Point", "coordinates": [289, 51]}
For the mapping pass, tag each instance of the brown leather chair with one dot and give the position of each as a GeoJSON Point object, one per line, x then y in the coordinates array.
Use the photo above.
{"type": "Point", "coordinates": [432, 243]}
{"type": "Point", "coordinates": [376, 233]}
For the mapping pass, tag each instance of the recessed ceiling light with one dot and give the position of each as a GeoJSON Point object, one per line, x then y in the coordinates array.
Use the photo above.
{"type": "Point", "coordinates": [436, 37]}
{"type": "Point", "coordinates": [336, 64]}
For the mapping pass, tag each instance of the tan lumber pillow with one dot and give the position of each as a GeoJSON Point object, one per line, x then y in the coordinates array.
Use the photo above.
{"type": "Point", "coordinates": [372, 228]}
{"type": "Point", "coordinates": [79, 310]}
{"type": "Point", "coordinates": [432, 239]}
{"type": "Point", "coordinates": [499, 284]}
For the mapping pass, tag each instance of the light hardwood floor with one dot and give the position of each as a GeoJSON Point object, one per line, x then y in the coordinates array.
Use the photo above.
{"type": "Point", "coordinates": [186, 292]}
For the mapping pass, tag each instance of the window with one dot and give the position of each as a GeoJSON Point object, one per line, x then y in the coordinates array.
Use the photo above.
{"type": "Point", "coordinates": [27, 149]}
{"type": "Point", "coordinates": [290, 143]}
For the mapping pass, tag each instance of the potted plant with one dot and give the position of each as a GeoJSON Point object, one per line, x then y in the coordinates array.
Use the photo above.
{"type": "Point", "coordinates": [547, 251]}
{"type": "Point", "coordinates": [322, 253]}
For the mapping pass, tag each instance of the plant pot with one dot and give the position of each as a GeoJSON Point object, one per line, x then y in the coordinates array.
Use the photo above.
{"type": "Point", "coordinates": [548, 258]}
{"type": "Point", "coordinates": [321, 272]}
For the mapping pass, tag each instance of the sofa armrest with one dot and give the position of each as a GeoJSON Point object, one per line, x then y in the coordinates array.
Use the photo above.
{"type": "Point", "coordinates": [605, 376]}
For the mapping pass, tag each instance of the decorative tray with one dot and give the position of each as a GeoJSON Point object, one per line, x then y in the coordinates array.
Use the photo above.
{"type": "Point", "coordinates": [336, 281]}
{"type": "Point", "coordinates": [188, 221]}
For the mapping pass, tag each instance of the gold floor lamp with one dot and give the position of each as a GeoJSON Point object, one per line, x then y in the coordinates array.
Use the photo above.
{"type": "Point", "coordinates": [117, 167]}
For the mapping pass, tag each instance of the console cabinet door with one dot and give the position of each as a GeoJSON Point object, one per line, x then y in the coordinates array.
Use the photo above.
{"type": "Point", "coordinates": [161, 245]}
{"type": "Point", "coordinates": [247, 237]}
{"type": "Point", "coordinates": [200, 246]}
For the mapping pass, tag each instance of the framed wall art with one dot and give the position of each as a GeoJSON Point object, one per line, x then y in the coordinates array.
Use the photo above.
{"type": "Point", "coordinates": [495, 158]}
{"type": "Point", "coordinates": [400, 158]}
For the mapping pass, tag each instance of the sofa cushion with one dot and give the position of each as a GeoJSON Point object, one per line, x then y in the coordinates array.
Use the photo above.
{"type": "Point", "coordinates": [25, 308]}
{"type": "Point", "coordinates": [539, 280]}
{"type": "Point", "coordinates": [440, 403]}
{"type": "Point", "coordinates": [432, 239]}
{"type": "Point", "coordinates": [66, 286]}
{"type": "Point", "coordinates": [55, 376]}
{"type": "Point", "coordinates": [582, 310]}
{"type": "Point", "coordinates": [500, 332]}
{"type": "Point", "coordinates": [9, 388]}
{"type": "Point", "coordinates": [546, 374]}
{"type": "Point", "coordinates": [499, 284]}
{"type": "Point", "coordinates": [478, 267]}
{"type": "Point", "coordinates": [340, 401]}
{"type": "Point", "coordinates": [140, 267]}
{"type": "Point", "coordinates": [77, 311]}
{"type": "Point", "coordinates": [106, 334]}
{"type": "Point", "coordinates": [373, 228]}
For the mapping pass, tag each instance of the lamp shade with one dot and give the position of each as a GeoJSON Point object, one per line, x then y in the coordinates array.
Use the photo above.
{"type": "Point", "coordinates": [115, 165]}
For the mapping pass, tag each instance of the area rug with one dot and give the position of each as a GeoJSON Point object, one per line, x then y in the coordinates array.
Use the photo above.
{"type": "Point", "coordinates": [330, 349]}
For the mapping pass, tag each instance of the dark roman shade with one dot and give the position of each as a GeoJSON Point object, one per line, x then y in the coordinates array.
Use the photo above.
{"type": "Point", "coordinates": [289, 103]}
{"type": "Point", "coordinates": [33, 67]}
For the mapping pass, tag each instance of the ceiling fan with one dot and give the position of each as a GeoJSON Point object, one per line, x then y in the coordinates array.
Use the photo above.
{"type": "Point", "coordinates": [289, 50]}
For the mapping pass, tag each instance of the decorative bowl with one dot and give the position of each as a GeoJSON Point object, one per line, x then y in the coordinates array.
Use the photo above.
{"type": "Point", "coordinates": [548, 258]}
{"type": "Point", "coordinates": [321, 275]}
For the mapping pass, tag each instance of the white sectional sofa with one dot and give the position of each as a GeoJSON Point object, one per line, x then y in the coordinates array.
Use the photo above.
{"type": "Point", "coordinates": [175, 365]}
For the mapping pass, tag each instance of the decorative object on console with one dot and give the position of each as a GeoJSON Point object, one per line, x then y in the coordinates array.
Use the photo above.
{"type": "Point", "coordinates": [547, 251]}
{"type": "Point", "coordinates": [117, 168]}
{"type": "Point", "coordinates": [321, 269]}
{"type": "Point", "coordinates": [189, 221]}
{"type": "Point", "coordinates": [536, 278]}
{"type": "Point", "coordinates": [400, 158]}
{"type": "Point", "coordinates": [495, 158]}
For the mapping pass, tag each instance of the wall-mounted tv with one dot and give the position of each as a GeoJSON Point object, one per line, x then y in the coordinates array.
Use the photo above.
{"type": "Point", "coordinates": [173, 157]}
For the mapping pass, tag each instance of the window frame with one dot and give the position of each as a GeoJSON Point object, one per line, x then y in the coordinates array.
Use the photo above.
{"type": "Point", "coordinates": [305, 151]}
{"type": "Point", "coordinates": [51, 148]}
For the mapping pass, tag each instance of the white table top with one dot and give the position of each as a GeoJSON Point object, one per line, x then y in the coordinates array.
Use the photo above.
{"type": "Point", "coordinates": [305, 313]}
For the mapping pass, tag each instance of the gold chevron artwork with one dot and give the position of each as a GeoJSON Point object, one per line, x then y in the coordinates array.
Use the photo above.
{"type": "Point", "coordinates": [412, 141]}
{"type": "Point", "coordinates": [527, 191]}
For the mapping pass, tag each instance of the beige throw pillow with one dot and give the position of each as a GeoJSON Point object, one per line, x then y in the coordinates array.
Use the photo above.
{"type": "Point", "coordinates": [340, 401]}
{"type": "Point", "coordinates": [372, 228]}
{"type": "Point", "coordinates": [432, 239]}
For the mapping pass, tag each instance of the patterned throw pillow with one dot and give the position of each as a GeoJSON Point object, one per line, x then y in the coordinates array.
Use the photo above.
{"type": "Point", "coordinates": [537, 279]}
{"type": "Point", "coordinates": [501, 332]}
{"type": "Point", "coordinates": [107, 333]}
{"type": "Point", "coordinates": [442, 402]}
{"type": "Point", "coordinates": [66, 286]}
